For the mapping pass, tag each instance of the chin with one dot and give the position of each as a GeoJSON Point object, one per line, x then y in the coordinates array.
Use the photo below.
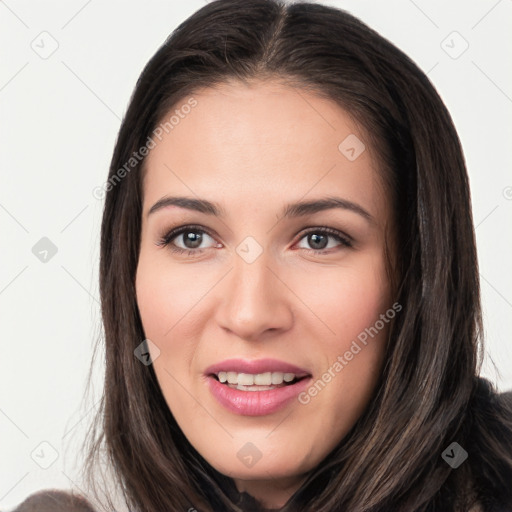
{"type": "Point", "coordinates": [275, 466]}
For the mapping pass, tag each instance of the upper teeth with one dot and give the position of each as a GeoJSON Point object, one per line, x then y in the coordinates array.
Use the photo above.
{"type": "Point", "coordinates": [260, 379]}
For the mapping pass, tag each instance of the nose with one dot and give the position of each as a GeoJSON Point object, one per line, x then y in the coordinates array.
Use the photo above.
{"type": "Point", "coordinates": [255, 302]}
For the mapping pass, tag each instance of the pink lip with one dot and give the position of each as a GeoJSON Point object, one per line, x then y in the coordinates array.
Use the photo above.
{"type": "Point", "coordinates": [255, 367]}
{"type": "Point", "coordinates": [255, 403]}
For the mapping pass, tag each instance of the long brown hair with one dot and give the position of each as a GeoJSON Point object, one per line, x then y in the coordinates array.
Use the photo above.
{"type": "Point", "coordinates": [429, 394]}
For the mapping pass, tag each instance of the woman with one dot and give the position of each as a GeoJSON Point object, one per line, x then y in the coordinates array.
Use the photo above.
{"type": "Point", "coordinates": [312, 343]}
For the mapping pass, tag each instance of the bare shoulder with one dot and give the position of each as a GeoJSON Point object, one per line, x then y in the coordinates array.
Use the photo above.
{"type": "Point", "coordinates": [53, 500]}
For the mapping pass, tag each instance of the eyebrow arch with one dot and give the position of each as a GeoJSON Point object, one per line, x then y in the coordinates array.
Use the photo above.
{"type": "Point", "coordinates": [298, 209]}
{"type": "Point", "coordinates": [198, 205]}
{"type": "Point", "coordinates": [302, 208]}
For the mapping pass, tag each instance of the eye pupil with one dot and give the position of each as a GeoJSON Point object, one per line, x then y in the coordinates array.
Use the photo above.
{"type": "Point", "coordinates": [194, 238]}
{"type": "Point", "coordinates": [313, 240]}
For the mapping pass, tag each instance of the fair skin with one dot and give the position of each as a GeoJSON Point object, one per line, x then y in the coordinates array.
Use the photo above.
{"type": "Point", "coordinates": [252, 150]}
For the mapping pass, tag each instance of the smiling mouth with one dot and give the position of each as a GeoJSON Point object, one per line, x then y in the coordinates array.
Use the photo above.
{"type": "Point", "coordinates": [257, 382]}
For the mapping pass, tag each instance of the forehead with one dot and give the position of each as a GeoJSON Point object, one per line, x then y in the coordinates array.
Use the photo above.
{"type": "Point", "coordinates": [261, 115]}
{"type": "Point", "coordinates": [262, 137]}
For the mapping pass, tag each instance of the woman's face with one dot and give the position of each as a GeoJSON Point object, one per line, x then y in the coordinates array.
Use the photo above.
{"type": "Point", "coordinates": [254, 290]}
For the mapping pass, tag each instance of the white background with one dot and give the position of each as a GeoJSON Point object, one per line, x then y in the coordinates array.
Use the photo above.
{"type": "Point", "coordinates": [59, 119]}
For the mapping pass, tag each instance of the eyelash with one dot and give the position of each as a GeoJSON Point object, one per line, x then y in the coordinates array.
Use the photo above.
{"type": "Point", "coordinates": [174, 233]}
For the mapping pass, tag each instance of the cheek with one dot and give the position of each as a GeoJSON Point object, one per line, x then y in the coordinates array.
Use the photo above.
{"type": "Point", "coordinates": [153, 301]}
{"type": "Point", "coordinates": [169, 301]}
{"type": "Point", "coordinates": [353, 300]}
{"type": "Point", "coordinates": [351, 306]}
{"type": "Point", "coordinates": [164, 296]}
{"type": "Point", "coordinates": [158, 308]}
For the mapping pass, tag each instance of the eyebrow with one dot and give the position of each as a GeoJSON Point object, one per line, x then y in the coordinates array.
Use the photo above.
{"type": "Point", "coordinates": [297, 209]}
